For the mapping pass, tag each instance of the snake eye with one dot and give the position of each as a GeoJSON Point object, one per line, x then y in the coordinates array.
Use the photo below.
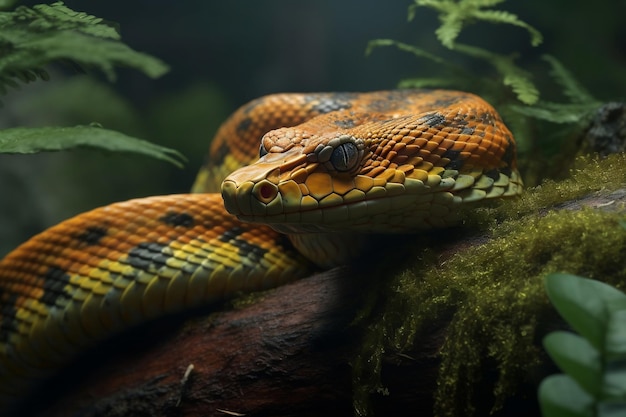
{"type": "Point", "coordinates": [262, 151]}
{"type": "Point", "coordinates": [344, 157]}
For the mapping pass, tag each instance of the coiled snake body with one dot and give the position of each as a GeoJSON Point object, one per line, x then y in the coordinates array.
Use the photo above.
{"type": "Point", "coordinates": [331, 165]}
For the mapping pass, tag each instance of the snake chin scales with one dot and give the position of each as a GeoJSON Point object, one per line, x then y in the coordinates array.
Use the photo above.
{"type": "Point", "coordinates": [326, 169]}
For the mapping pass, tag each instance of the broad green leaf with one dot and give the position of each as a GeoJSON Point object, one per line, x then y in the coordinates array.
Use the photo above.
{"type": "Point", "coordinates": [616, 333]}
{"type": "Point", "coordinates": [584, 304]}
{"type": "Point", "coordinates": [614, 384]}
{"type": "Point", "coordinates": [45, 139]}
{"type": "Point", "coordinates": [560, 396]}
{"type": "Point", "coordinates": [577, 358]}
{"type": "Point", "coordinates": [611, 409]}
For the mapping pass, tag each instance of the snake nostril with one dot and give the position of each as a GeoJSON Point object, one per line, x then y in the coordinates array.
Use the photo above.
{"type": "Point", "coordinates": [265, 191]}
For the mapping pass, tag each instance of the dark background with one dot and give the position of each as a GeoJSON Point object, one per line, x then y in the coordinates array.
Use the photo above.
{"type": "Point", "coordinates": [224, 53]}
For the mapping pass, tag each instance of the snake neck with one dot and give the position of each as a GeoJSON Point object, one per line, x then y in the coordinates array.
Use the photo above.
{"type": "Point", "coordinates": [328, 250]}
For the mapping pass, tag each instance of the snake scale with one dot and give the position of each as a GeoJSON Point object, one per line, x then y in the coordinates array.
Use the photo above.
{"type": "Point", "coordinates": [302, 178]}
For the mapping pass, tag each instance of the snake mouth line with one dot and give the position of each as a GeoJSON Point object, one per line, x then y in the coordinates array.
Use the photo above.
{"type": "Point", "coordinates": [380, 214]}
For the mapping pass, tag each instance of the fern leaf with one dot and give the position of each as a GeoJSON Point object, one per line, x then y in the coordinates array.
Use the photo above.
{"type": "Point", "coordinates": [561, 113]}
{"type": "Point", "coordinates": [24, 140]}
{"type": "Point", "coordinates": [501, 16]}
{"type": "Point", "coordinates": [421, 53]}
{"type": "Point", "coordinates": [59, 17]}
{"type": "Point", "coordinates": [31, 38]}
{"type": "Point", "coordinates": [512, 76]}
{"type": "Point", "coordinates": [451, 25]}
{"type": "Point", "coordinates": [522, 86]}
{"type": "Point", "coordinates": [571, 87]}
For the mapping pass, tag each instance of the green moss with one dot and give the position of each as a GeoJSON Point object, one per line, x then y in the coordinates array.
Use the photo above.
{"type": "Point", "coordinates": [492, 294]}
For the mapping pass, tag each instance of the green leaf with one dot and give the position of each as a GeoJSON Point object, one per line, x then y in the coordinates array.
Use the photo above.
{"type": "Point", "coordinates": [513, 76]}
{"type": "Point", "coordinates": [614, 384]}
{"type": "Point", "coordinates": [7, 4]}
{"type": "Point", "coordinates": [501, 16]}
{"type": "Point", "coordinates": [611, 409]}
{"type": "Point", "coordinates": [560, 396]}
{"type": "Point", "coordinates": [585, 304]}
{"type": "Point", "coordinates": [451, 25]}
{"type": "Point", "coordinates": [24, 140]}
{"type": "Point", "coordinates": [421, 53]}
{"type": "Point", "coordinates": [557, 112]}
{"type": "Point", "coordinates": [615, 343]}
{"type": "Point", "coordinates": [571, 87]}
{"type": "Point", "coordinates": [103, 54]}
{"type": "Point", "coordinates": [31, 38]}
{"type": "Point", "coordinates": [577, 358]}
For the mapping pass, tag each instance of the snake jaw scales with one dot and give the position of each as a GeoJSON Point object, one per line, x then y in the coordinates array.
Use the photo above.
{"type": "Point", "coordinates": [344, 163]}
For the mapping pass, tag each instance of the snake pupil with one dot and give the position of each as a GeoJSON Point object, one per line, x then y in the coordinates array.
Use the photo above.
{"type": "Point", "coordinates": [262, 151]}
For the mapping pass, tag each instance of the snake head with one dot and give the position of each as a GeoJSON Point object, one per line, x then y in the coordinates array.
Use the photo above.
{"type": "Point", "coordinates": [401, 174]}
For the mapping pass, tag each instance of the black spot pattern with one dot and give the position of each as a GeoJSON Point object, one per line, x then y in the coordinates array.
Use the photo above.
{"type": "Point", "coordinates": [92, 235]}
{"type": "Point", "coordinates": [54, 284]}
{"type": "Point", "coordinates": [220, 154]}
{"type": "Point", "coordinates": [174, 218]}
{"type": "Point", "coordinates": [494, 174]}
{"type": "Point", "coordinates": [334, 102]}
{"type": "Point", "coordinates": [243, 126]}
{"type": "Point", "coordinates": [345, 123]}
{"type": "Point", "coordinates": [147, 256]}
{"type": "Point", "coordinates": [432, 120]}
{"type": "Point", "coordinates": [486, 118]}
{"type": "Point", "coordinates": [509, 153]}
{"type": "Point", "coordinates": [245, 249]}
{"type": "Point", "coordinates": [455, 159]}
{"type": "Point", "coordinates": [248, 250]}
{"type": "Point", "coordinates": [230, 234]}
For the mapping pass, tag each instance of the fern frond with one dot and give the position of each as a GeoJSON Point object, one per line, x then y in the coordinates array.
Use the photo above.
{"type": "Point", "coordinates": [31, 38]}
{"type": "Point", "coordinates": [57, 16]}
{"type": "Point", "coordinates": [513, 76]}
{"type": "Point", "coordinates": [27, 140]}
{"type": "Point", "coordinates": [561, 113]}
{"type": "Point", "coordinates": [501, 16]}
{"type": "Point", "coordinates": [571, 87]}
{"type": "Point", "coordinates": [451, 26]}
{"type": "Point", "coordinates": [454, 15]}
{"type": "Point", "coordinates": [421, 53]}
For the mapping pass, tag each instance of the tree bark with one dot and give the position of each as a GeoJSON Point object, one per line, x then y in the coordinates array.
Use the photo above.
{"type": "Point", "coordinates": [288, 353]}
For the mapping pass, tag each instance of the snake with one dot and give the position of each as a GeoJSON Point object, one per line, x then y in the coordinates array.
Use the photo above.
{"type": "Point", "coordinates": [291, 185]}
